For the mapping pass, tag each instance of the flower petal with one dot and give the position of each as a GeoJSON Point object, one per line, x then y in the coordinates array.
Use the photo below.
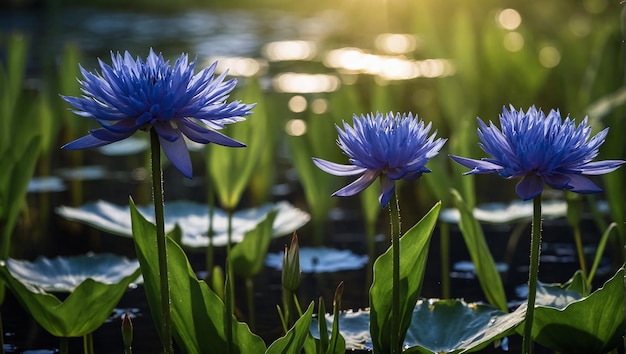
{"type": "Point", "coordinates": [86, 141]}
{"type": "Point", "coordinates": [337, 169]}
{"type": "Point", "coordinates": [360, 184]}
{"type": "Point", "coordinates": [557, 181]}
{"type": "Point", "coordinates": [583, 185]}
{"type": "Point", "coordinates": [477, 166]}
{"type": "Point", "coordinates": [600, 167]}
{"type": "Point", "coordinates": [204, 136]}
{"type": "Point", "coordinates": [387, 187]}
{"type": "Point", "coordinates": [176, 151]}
{"type": "Point", "coordinates": [529, 187]}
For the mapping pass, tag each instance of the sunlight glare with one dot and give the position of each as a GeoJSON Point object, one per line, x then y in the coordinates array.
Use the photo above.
{"type": "Point", "coordinates": [289, 50]}
{"type": "Point", "coordinates": [305, 83]}
{"type": "Point", "coordinates": [509, 19]}
{"type": "Point", "coordinates": [395, 43]}
{"type": "Point", "coordinates": [295, 127]}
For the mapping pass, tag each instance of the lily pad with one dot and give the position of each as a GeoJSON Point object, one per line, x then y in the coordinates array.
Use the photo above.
{"type": "Point", "coordinates": [128, 146]}
{"type": "Point", "coordinates": [321, 260]}
{"type": "Point", "coordinates": [566, 322]}
{"type": "Point", "coordinates": [89, 303]}
{"type": "Point", "coordinates": [437, 326]}
{"type": "Point", "coordinates": [500, 213]}
{"type": "Point", "coordinates": [192, 217]}
{"type": "Point", "coordinates": [64, 274]}
{"type": "Point", "coordinates": [46, 184]}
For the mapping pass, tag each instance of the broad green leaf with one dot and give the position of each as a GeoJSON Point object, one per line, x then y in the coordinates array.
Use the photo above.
{"type": "Point", "coordinates": [413, 254]}
{"type": "Point", "coordinates": [593, 324]}
{"type": "Point", "coordinates": [453, 326]}
{"type": "Point", "coordinates": [247, 257]}
{"type": "Point", "coordinates": [82, 312]}
{"type": "Point", "coordinates": [486, 270]}
{"type": "Point", "coordinates": [293, 341]}
{"type": "Point", "coordinates": [197, 312]}
{"type": "Point", "coordinates": [437, 326]}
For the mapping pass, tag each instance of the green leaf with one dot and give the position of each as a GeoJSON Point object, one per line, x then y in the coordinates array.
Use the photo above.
{"type": "Point", "coordinates": [413, 254]}
{"type": "Point", "coordinates": [230, 168]}
{"type": "Point", "coordinates": [247, 257]}
{"type": "Point", "coordinates": [486, 270]}
{"type": "Point", "coordinates": [594, 324]}
{"type": "Point", "coordinates": [293, 341]}
{"type": "Point", "coordinates": [197, 312]}
{"type": "Point", "coordinates": [453, 326]}
{"type": "Point", "coordinates": [81, 313]}
{"type": "Point", "coordinates": [18, 173]}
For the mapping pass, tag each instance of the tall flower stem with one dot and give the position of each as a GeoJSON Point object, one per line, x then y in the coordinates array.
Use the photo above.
{"type": "Point", "coordinates": [394, 213]}
{"type": "Point", "coordinates": [445, 260]}
{"type": "Point", "coordinates": [157, 191]}
{"type": "Point", "coordinates": [229, 293]}
{"type": "Point", "coordinates": [535, 249]}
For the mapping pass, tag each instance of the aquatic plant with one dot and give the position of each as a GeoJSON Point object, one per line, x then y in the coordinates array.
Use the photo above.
{"type": "Point", "coordinates": [540, 149]}
{"type": "Point", "coordinates": [390, 147]}
{"type": "Point", "coordinates": [169, 102]}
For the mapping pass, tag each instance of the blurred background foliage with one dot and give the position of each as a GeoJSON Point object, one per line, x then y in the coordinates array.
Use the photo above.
{"type": "Point", "coordinates": [315, 63]}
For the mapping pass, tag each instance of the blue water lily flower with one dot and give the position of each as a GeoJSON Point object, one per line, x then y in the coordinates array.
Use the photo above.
{"type": "Point", "coordinates": [133, 95]}
{"type": "Point", "coordinates": [391, 147]}
{"type": "Point", "coordinates": [541, 149]}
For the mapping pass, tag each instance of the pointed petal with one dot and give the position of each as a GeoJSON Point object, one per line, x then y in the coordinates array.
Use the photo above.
{"type": "Point", "coordinates": [601, 167]}
{"type": "Point", "coordinates": [176, 151]}
{"type": "Point", "coordinates": [87, 141]}
{"type": "Point", "coordinates": [559, 181]}
{"type": "Point", "coordinates": [582, 184]}
{"type": "Point", "coordinates": [387, 188]}
{"type": "Point", "coordinates": [204, 136]}
{"type": "Point", "coordinates": [477, 166]}
{"type": "Point", "coordinates": [360, 184]}
{"type": "Point", "coordinates": [337, 169]}
{"type": "Point", "coordinates": [529, 187]}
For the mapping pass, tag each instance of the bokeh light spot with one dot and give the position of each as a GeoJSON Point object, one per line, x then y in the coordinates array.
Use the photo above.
{"type": "Point", "coordinates": [549, 56]}
{"type": "Point", "coordinates": [513, 41]}
{"type": "Point", "coordinates": [297, 104]}
{"type": "Point", "coordinates": [509, 19]}
{"type": "Point", "coordinates": [295, 127]}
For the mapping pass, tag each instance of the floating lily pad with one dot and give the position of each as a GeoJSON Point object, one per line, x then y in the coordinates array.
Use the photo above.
{"type": "Point", "coordinates": [128, 146]}
{"type": "Point", "coordinates": [500, 213]}
{"type": "Point", "coordinates": [84, 173]}
{"type": "Point", "coordinates": [321, 260]}
{"type": "Point", "coordinates": [192, 217]}
{"type": "Point", "coordinates": [566, 322]}
{"type": "Point", "coordinates": [437, 326]}
{"type": "Point", "coordinates": [64, 274]}
{"type": "Point", "coordinates": [46, 184]}
{"type": "Point", "coordinates": [90, 301]}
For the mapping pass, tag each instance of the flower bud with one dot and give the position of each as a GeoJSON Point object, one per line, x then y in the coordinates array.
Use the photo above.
{"type": "Point", "coordinates": [127, 332]}
{"type": "Point", "coordinates": [291, 265]}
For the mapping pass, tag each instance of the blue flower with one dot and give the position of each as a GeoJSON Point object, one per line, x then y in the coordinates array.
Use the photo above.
{"type": "Point", "coordinates": [390, 147]}
{"type": "Point", "coordinates": [133, 95]}
{"type": "Point", "coordinates": [541, 149]}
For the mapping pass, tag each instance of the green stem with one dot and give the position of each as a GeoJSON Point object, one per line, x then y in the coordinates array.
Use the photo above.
{"type": "Point", "coordinates": [445, 260]}
{"type": "Point", "coordinates": [229, 291]}
{"type": "Point", "coordinates": [157, 191]}
{"type": "Point", "coordinates": [394, 212]}
{"type": "Point", "coordinates": [250, 294]}
{"type": "Point", "coordinates": [533, 271]}
{"type": "Point", "coordinates": [88, 343]}
{"type": "Point", "coordinates": [580, 251]}
{"type": "Point", "coordinates": [210, 249]}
